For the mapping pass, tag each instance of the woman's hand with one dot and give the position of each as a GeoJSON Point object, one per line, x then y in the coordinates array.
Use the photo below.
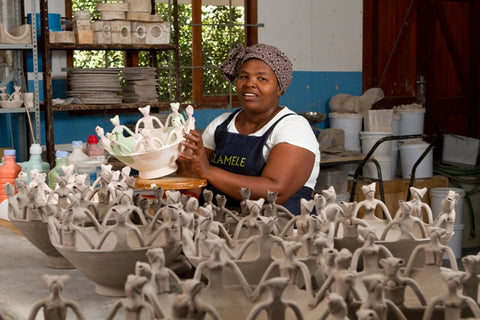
{"type": "Point", "coordinates": [194, 157]}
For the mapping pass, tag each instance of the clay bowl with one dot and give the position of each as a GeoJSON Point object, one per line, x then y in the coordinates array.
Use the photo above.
{"type": "Point", "coordinates": [313, 117]}
{"type": "Point", "coordinates": [156, 163]}
{"type": "Point", "coordinates": [36, 231]}
{"type": "Point", "coordinates": [11, 104]}
{"type": "Point", "coordinates": [106, 267]}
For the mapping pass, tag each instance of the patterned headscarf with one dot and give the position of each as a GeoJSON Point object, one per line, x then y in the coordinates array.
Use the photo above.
{"type": "Point", "coordinates": [273, 57]}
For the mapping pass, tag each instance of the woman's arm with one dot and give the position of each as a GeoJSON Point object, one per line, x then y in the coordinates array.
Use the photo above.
{"type": "Point", "coordinates": [287, 169]}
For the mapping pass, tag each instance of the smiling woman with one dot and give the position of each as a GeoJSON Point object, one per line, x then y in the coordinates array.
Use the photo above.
{"type": "Point", "coordinates": [276, 148]}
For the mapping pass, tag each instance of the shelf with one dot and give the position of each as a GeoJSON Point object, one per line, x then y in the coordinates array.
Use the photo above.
{"type": "Point", "coordinates": [16, 110]}
{"type": "Point", "coordinates": [16, 46]}
{"type": "Point", "coordinates": [117, 46]}
{"type": "Point", "coordinates": [122, 106]}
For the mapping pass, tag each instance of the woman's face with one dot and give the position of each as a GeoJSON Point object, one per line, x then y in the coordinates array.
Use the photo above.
{"type": "Point", "coordinates": [257, 86]}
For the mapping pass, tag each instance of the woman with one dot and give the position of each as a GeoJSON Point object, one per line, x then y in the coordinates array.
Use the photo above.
{"type": "Point", "coordinates": [261, 146]}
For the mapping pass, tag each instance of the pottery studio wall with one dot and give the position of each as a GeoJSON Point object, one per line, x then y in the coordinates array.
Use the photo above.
{"type": "Point", "coordinates": [325, 51]}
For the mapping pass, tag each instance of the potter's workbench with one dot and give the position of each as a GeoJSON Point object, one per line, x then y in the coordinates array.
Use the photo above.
{"type": "Point", "coordinates": [21, 286]}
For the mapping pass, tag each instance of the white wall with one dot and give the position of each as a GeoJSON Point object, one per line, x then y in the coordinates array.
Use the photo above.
{"type": "Point", "coordinates": [317, 35]}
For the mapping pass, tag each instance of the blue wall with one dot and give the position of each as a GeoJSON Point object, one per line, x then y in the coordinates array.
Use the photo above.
{"type": "Point", "coordinates": [309, 91]}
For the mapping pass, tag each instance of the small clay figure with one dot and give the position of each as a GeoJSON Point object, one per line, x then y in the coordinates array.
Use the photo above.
{"type": "Point", "coordinates": [55, 307]}
{"type": "Point", "coordinates": [38, 179]}
{"type": "Point", "coordinates": [146, 142]}
{"type": "Point", "coordinates": [433, 252]}
{"type": "Point", "coordinates": [289, 267]}
{"type": "Point", "coordinates": [350, 224]}
{"type": "Point", "coordinates": [244, 210]}
{"type": "Point", "coordinates": [121, 230]}
{"type": "Point", "coordinates": [190, 122]}
{"type": "Point", "coordinates": [17, 94]}
{"type": "Point", "coordinates": [376, 300]}
{"type": "Point", "coordinates": [60, 195]}
{"type": "Point", "coordinates": [147, 120]}
{"type": "Point", "coordinates": [209, 229]}
{"type": "Point", "coordinates": [337, 308]}
{"type": "Point", "coordinates": [272, 208]}
{"type": "Point", "coordinates": [170, 229]}
{"type": "Point", "coordinates": [221, 212]}
{"type": "Point", "coordinates": [341, 280]}
{"type": "Point", "coordinates": [161, 275]}
{"type": "Point", "coordinates": [471, 264]}
{"type": "Point", "coordinates": [446, 218]}
{"type": "Point", "coordinates": [80, 199]}
{"type": "Point", "coordinates": [149, 292]}
{"type": "Point", "coordinates": [106, 143]}
{"type": "Point", "coordinates": [264, 240]}
{"type": "Point", "coordinates": [208, 199]}
{"type": "Point", "coordinates": [369, 206]}
{"type": "Point", "coordinates": [65, 232]}
{"type": "Point", "coordinates": [158, 202]}
{"type": "Point", "coordinates": [250, 221]}
{"type": "Point", "coordinates": [275, 306]}
{"type": "Point", "coordinates": [174, 119]}
{"type": "Point", "coordinates": [133, 304]}
{"type": "Point", "coordinates": [406, 222]}
{"type": "Point", "coordinates": [215, 265]}
{"type": "Point", "coordinates": [453, 301]}
{"type": "Point", "coordinates": [395, 284]}
{"type": "Point", "coordinates": [370, 253]}
{"type": "Point", "coordinates": [121, 144]}
{"type": "Point", "coordinates": [320, 203]}
{"type": "Point", "coordinates": [419, 207]}
{"type": "Point", "coordinates": [301, 221]}
{"type": "Point", "coordinates": [105, 194]}
{"type": "Point", "coordinates": [187, 304]}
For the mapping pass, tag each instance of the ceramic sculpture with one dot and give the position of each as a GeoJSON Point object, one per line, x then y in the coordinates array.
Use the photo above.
{"type": "Point", "coordinates": [153, 148]}
{"type": "Point", "coordinates": [55, 307]}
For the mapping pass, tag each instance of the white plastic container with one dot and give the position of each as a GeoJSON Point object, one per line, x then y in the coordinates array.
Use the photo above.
{"type": "Point", "coordinates": [369, 138]}
{"type": "Point", "coordinates": [410, 152]}
{"type": "Point", "coordinates": [351, 123]}
{"type": "Point", "coordinates": [77, 154]}
{"type": "Point", "coordinates": [438, 194]}
{"type": "Point", "coordinates": [411, 121]}
{"type": "Point", "coordinates": [370, 170]}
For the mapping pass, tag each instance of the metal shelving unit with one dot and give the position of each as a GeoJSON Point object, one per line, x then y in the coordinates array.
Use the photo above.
{"type": "Point", "coordinates": [47, 47]}
{"type": "Point", "coordinates": [19, 49]}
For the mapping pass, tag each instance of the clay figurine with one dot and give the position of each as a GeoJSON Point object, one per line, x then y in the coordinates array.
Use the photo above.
{"type": "Point", "coordinates": [406, 222]}
{"type": "Point", "coordinates": [301, 221]}
{"type": "Point", "coordinates": [250, 221]}
{"type": "Point", "coordinates": [376, 300]}
{"type": "Point", "coordinates": [337, 308]}
{"type": "Point", "coordinates": [446, 218]}
{"type": "Point", "coordinates": [275, 306]}
{"type": "Point", "coordinates": [187, 304]}
{"type": "Point", "coordinates": [369, 206]}
{"type": "Point", "coordinates": [453, 301]}
{"type": "Point", "coordinates": [370, 253]}
{"type": "Point", "coordinates": [470, 281]}
{"type": "Point", "coordinates": [350, 224]}
{"type": "Point", "coordinates": [55, 307]}
{"type": "Point", "coordinates": [133, 304]}
{"type": "Point", "coordinates": [147, 120]}
{"type": "Point", "coordinates": [433, 252]}
{"type": "Point", "coordinates": [149, 292]}
{"type": "Point", "coordinates": [161, 275]}
{"type": "Point", "coordinates": [395, 284]}
{"type": "Point", "coordinates": [419, 207]}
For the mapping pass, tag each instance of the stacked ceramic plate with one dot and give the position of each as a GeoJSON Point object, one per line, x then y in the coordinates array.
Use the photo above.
{"type": "Point", "coordinates": [95, 86]}
{"type": "Point", "coordinates": [140, 84]}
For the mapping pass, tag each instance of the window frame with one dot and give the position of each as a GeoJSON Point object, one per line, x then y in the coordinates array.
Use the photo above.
{"type": "Point", "coordinates": [251, 37]}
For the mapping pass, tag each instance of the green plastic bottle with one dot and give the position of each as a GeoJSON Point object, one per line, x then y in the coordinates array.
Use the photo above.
{"type": "Point", "coordinates": [61, 159]}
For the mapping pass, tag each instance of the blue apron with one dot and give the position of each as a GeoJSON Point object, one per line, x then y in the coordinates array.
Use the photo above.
{"type": "Point", "coordinates": [243, 154]}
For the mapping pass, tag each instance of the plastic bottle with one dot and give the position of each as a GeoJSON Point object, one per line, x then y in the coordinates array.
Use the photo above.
{"type": "Point", "coordinates": [35, 161]}
{"type": "Point", "coordinates": [9, 171]}
{"type": "Point", "coordinates": [93, 150]}
{"type": "Point", "coordinates": [61, 159]}
{"type": "Point", "coordinates": [77, 154]}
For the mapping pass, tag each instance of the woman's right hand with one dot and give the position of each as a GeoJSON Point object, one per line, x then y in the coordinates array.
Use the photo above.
{"type": "Point", "coordinates": [194, 155]}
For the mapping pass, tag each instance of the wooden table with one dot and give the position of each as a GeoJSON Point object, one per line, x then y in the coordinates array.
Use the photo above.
{"type": "Point", "coordinates": [171, 182]}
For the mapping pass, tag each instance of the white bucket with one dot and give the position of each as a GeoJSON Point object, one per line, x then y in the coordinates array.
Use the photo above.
{"type": "Point", "coordinates": [369, 138]}
{"type": "Point", "coordinates": [351, 123]}
{"type": "Point", "coordinates": [438, 194]}
{"type": "Point", "coordinates": [409, 154]}
{"type": "Point", "coordinates": [370, 170]}
{"type": "Point", "coordinates": [411, 121]}
{"type": "Point", "coordinates": [455, 242]}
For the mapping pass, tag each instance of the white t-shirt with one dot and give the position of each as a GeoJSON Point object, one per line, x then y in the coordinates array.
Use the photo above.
{"type": "Point", "coordinates": [293, 129]}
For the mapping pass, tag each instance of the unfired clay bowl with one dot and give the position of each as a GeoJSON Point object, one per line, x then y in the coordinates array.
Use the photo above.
{"type": "Point", "coordinates": [106, 267]}
{"type": "Point", "coordinates": [153, 164]}
{"type": "Point", "coordinates": [36, 232]}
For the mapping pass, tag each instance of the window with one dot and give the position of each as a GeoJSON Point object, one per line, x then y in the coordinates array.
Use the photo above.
{"type": "Point", "coordinates": [208, 29]}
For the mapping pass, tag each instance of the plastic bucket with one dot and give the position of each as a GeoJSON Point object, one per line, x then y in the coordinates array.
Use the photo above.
{"type": "Point", "coordinates": [438, 194]}
{"type": "Point", "coordinates": [370, 170]}
{"type": "Point", "coordinates": [351, 123]}
{"type": "Point", "coordinates": [455, 242]}
{"type": "Point", "coordinates": [411, 121]}
{"type": "Point", "coordinates": [409, 154]}
{"type": "Point", "coordinates": [369, 138]}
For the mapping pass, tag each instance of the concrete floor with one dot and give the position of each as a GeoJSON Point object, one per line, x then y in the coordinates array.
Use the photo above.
{"type": "Point", "coordinates": [21, 268]}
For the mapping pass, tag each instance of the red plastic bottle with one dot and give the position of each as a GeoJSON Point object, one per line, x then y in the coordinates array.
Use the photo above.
{"type": "Point", "coordinates": [9, 171]}
{"type": "Point", "coordinates": [93, 150]}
